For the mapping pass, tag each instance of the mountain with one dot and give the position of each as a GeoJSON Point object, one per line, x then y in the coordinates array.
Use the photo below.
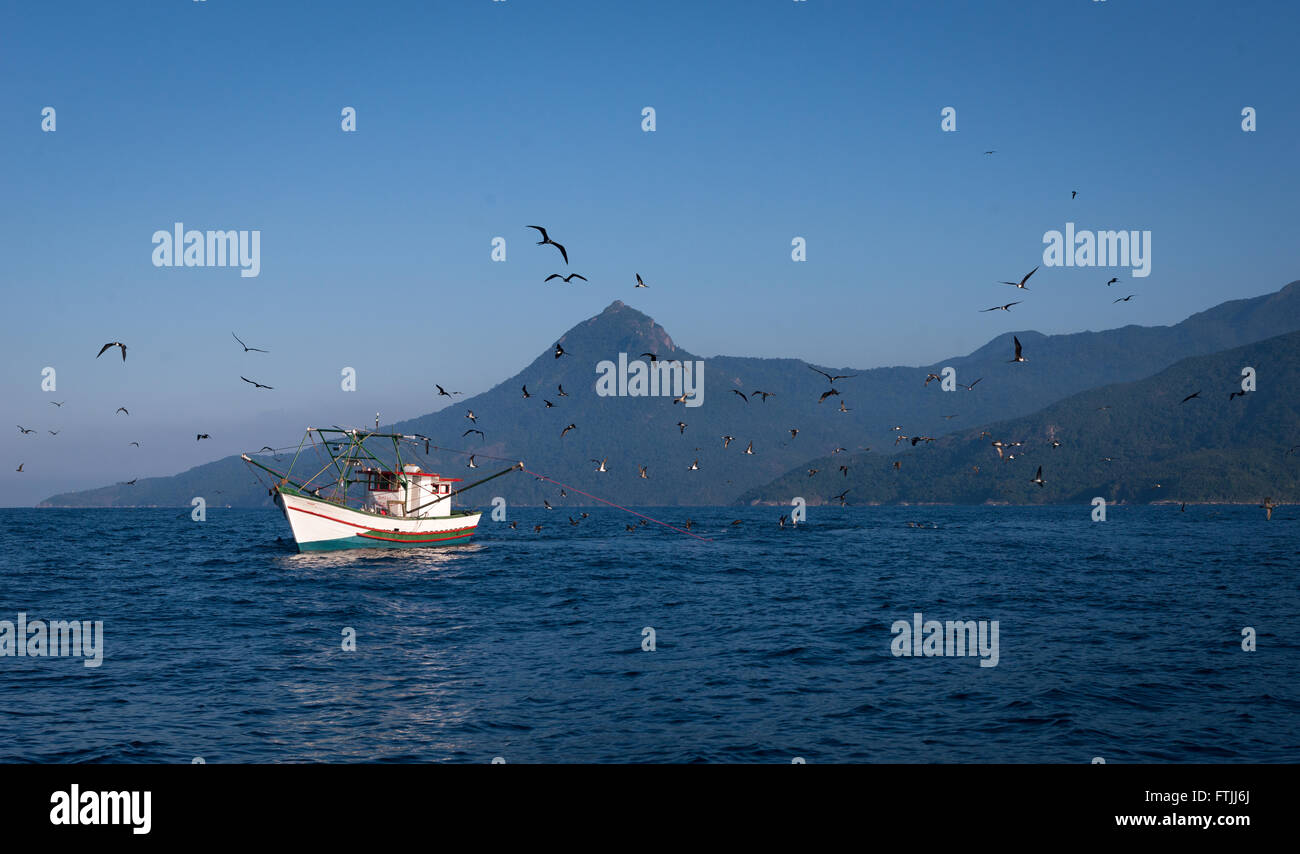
{"type": "Point", "coordinates": [1208, 449]}
{"type": "Point", "coordinates": [628, 431]}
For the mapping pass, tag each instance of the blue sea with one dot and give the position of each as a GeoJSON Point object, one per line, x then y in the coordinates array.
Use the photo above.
{"type": "Point", "coordinates": [1119, 639]}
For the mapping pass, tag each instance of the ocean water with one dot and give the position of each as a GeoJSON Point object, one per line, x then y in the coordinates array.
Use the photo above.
{"type": "Point", "coordinates": [1120, 640]}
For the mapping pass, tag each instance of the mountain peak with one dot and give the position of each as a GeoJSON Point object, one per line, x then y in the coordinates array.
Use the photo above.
{"type": "Point", "coordinates": [622, 328]}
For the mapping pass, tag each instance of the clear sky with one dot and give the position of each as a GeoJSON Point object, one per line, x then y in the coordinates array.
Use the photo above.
{"type": "Point", "coordinates": [774, 120]}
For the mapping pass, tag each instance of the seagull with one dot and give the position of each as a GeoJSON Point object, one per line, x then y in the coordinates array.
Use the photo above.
{"type": "Point", "coordinates": [749, 449]}
{"type": "Point", "coordinates": [843, 408]}
{"type": "Point", "coordinates": [1006, 307]}
{"type": "Point", "coordinates": [1111, 282]}
{"type": "Point", "coordinates": [1021, 283]}
{"type": "Point", "coordinates": [681, 399]}
{"type": "Point", "coordinates": [472, 430]}
{"type": "Point", "coordinates": [121, 409]}
{"type": "Point", "coordinates": [567, 429]}
{"type": "Point", "coordinates": [695, 466]}
{"type": "Point", "coordinates": [681, 425]}
{"type": "Point", "coordinates": [827, 394]}
{"type": "Point", "coordinates": [24, 430]}
{"type": "Point", "coordinates": [641, 471]}
{"type": "Point", "coordinates": [765, 394]}
{"type": "Point", "coordinates": [971, 387]}
{"type": "Point", "coordinates": [601, 467]}
{"type": "Point", "coordinates": [255, 385]}
{"type": "Point", "coordinates": [1018, 358]}
{"type": "Point", "coordinates": [639, 282]}
{"type": "Point", "coordinates": [741, 395]}
{"type": "Point", "coordinates": [559, 351]}
{"type": "Point", "coordinates": [442, 392]}
{"type": "Point", "coordinates": [546, 238]}
{"type": "Point", "coordinates": [727, 440]}
{"type": "Point", "coordinates": [1125, 299]}
{"type": "Point", "coordinates": [471, 416]}
{"type": "Point", "coordinates": [57, 403]}
{"type": "Point", "coordinates": [567, 278]}
{"type": "Point", "coordinates": [1038, 478]}
{"type": "Point", "coordinates": [1189, 397]}
{"type": "Point", "coordinates": [112, 344]}
{"type": "Point", "coordinates": [833, 378]}
{"type": "Point", "coordinates": [248, 349]}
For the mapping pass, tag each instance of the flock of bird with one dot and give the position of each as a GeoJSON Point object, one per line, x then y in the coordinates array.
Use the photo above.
{"type": "Point", "coordinates": [122, 410]}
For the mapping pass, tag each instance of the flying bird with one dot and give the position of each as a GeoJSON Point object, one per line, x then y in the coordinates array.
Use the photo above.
{"type": "Point", "coordinates": [1006, 307]}
{"type": "Point", "coordinates": [471, 464]}
{"type": "Point", "coordinates": [1125, 299]}
{"type": "Point", "coordinates": [567, 429]}
{"type": "Point", "coordinates": [121, 409]}
{"type": "Point", "coordinates": [1018, 357]}
{"type": "Point", "coordinates": [248, 349]}
{"type": "Point", "coordinates": [695, 466]}
{"type": "Point", "coordinates": [971, 387]}
{"type": "Point", "coordinates": [843, 408]}
{"type": "Point", "coordinates": [256, 385]}
{"type": "Point", "coordinates": [827, 394]}
{"type": "Point", "coordinates": [472, 430]}
{"type": "Point", "coordinates": [1268, 506]}
{"type": "Point", "coordinates": [57, 403]}
{"type": "Point", "coordinates": [639, 282]}
{"type": "Point", "coordinates": [765, 394]}
{"type": "Point", "coordinates": [137, 444]}
{"type": "Point", "coordinates": [112, 344]}
{"type": "Point", "coordinates": [749, 449]}
{"type": "Point", "coordinates": [641, 470]}
{"type": "Point", "coordinates": [601, 467]}
{"type": "Point", "coordinates": [20, 466]}
{"type": "Point", "coordinates": [794, 431]}
{"type": "Point", "coordinates": [526, 394]}
{"type": "Point", "coordinates": [567, 278]}
{"type": "Point", "coordinates": [727, 440]}
{"type": "Point", "coordinates": [471, 416]}
{"type": "Point", "coordinates": [1021, 283]}
{"type": "Point", "coordinates": [559, 351]}
{"type": "Point", "coordinates": [1038, 478]}
{"type": "Point", "coordinates": [549, 405]}
{"type": "Point", "coordinates": [1111, 282]}
{"type": "Point", "coordinates": [1189, 397]}
{"type": "Point", "coordinates": [833, 378]}
{"type": "Point", "coordinates": [1073, 193]}
{"type": "Point", "coordinates": [741, 394]}
{"type": "Point", "coordinates": [442, 392]}
{"type": "Point", "coordinates": [681, 425]}
{"type": "Point", "coordinates": [563, 393]}
{"type": "Point", "coordinates": [54, 432]}
{"type": "Point", "coordinates": [24, 430]}
{"type": "Point", "coordinates": [546, 238]}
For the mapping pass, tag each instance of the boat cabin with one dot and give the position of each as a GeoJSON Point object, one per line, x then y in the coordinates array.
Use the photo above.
{"type": "Point", "coordinates": [409, 492]}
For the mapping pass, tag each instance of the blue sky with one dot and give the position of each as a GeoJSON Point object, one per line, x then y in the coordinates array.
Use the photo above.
{"type": "Point", "coordinates": [775, 119]}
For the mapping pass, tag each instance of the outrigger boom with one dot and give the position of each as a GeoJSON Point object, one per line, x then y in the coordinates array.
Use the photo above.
{"type": "Point", "coordinates": [400, 506]}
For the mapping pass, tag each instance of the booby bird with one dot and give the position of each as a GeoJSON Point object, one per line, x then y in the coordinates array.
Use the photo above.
{"type": "Point", "coordinates": [1021, 283]}
{"type": "Point", "coordinates": [639, 282]}
{"type": "Point", "coordinates": [1038, 478]}
{"type": "Point", "coordinates": [562, 392]}
{"type": "Point", "coordinates": [472, 464]}
{"type": "Point", "coordinates": [112, 344]}
{"type": "Point", "coordinates": [843, 408]}
{"type": "Point", "coordinates": [559, 351]}
{"type": "Point", "coordinates": [526, 393]}
{"type": "Point", "coordinates": [567, 429]}
{"type": "Point", "coordinates": [749, 449]}
{"type": "Point", "coordinates": [695, 466]}
{"type": "Point", "coordinates": [641, 472]}
{"type": "Point", "coordinates": [546, 238]}
{"type": "Point", "coordinates": [727, 440]}
{"type": "Point", "coordinates": [471, 416]}
{"type": "Point", "coordinates": [1018, 357]}
{"type": "Point", "coordinates": [601, 467]}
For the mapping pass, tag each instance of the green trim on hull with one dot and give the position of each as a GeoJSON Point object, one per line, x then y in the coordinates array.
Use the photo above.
{"type": "Point", "coordinates": [359, 542]}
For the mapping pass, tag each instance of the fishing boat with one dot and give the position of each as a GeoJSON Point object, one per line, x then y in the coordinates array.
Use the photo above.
{"type": "Point", "coordinates": [359, 500]}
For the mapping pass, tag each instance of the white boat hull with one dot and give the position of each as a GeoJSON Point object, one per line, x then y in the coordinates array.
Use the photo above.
{"type": "Point", "coordinates": [319, 525]}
